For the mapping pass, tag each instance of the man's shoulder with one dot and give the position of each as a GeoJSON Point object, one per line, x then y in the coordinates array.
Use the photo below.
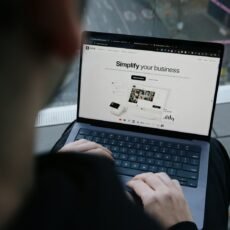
{"type": "Point", "coordinates": [82, 192]}
{"type": "Point", "coordinates": [73, 163]}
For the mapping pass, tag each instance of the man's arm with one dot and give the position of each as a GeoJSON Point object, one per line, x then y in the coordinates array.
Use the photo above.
{"type": "Point", "coordinates": [162, 198]}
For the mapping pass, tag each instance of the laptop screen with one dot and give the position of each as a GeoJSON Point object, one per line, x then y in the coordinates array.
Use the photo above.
{"type": "Point", "coordinates": [156, 85]}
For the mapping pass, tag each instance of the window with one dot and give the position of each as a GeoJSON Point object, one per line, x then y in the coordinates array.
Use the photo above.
{"type": "Point", "coordinates": [203, 20]}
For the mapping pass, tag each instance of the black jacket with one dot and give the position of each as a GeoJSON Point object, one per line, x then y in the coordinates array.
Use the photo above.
{"type": "Point", "coordinates": [78, 191]}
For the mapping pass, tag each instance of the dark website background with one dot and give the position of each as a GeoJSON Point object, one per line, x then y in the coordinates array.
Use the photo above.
{"type": "Point", "coordinates": [202, 20]}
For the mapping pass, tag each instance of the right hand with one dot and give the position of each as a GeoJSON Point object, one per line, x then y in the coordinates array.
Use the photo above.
{"type": "Point", "coordinates": [162, 198]}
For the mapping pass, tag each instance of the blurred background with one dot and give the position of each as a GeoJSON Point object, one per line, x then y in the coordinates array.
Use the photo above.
{"type": "Point", "coordinates": [203, 20]}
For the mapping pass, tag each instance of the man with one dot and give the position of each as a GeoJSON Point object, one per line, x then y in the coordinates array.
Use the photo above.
{"type": "Point", "coordinates": [76, 188]}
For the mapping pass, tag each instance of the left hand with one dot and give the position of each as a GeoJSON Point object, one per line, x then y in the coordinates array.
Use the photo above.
{"type": "Point", "coordinates": [84, 146]}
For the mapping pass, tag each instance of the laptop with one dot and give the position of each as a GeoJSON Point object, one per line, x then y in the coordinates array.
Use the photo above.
{"type": "Point", "coordinates": [151, 102]}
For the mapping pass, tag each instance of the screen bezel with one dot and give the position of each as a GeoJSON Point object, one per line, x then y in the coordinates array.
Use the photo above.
{"type": "Point", "coordinates": [214, 47]}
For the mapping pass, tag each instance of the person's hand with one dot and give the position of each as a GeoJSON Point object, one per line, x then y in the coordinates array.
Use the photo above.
{"type": "Point", "coordinates": [162, 198]}
{"type": "Point", "coordinates": [84, 146]}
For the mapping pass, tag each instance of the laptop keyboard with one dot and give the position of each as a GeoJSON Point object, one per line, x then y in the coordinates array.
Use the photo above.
{"type": "Point", "coordinates": [134, 155]}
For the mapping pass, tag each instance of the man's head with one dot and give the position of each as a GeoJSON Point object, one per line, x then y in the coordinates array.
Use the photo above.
{"type": "Point", "coordinates": [41, 32]}
{"type": "Point", "coordinates": [38, 40]}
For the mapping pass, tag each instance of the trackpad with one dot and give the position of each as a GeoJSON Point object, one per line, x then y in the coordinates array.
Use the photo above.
{"type": "Point", "coordinates": [134, 197]}
{"type": "Point", "coordinates": [124, 179]}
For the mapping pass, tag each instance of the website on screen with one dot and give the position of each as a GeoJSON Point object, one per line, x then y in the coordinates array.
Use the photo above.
{"type": "Point", "coordinates": [168, 91]}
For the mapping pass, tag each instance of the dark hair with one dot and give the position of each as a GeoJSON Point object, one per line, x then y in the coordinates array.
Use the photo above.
{"type": "Point", "coordinates": [11, 13]}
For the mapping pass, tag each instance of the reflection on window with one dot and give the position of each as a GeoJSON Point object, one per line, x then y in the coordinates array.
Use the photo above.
{"type": "Point", "coordinates": [203, 20]}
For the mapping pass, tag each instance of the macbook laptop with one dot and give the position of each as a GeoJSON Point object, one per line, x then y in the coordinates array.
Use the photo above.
{"type": "Point", "coordinates": [151, 102]}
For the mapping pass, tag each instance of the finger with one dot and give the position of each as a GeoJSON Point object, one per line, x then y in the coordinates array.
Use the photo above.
{"type": "Point", "coordinates": [78, 142]}
{"type": "Point", "coordinates": [94, 145]}
{"type": "Point", "coordinates": [85, 146]}
{"type": "Point", "coordinates": [78, 145]}
{"type": "Point", "coordinates": [99, 152]}
{"type": "Point", "coordinates": [140, 188]}
{"type": "Point", "coordinates": [103, 148]}
{"type": "Point", "coordinates": [152, 180]}
{"type": "Point", "coordinates": [81, 141]}
{"type": "Point", "coordinates": [177, 185]}
{"type": "Point", "coordinates": [142, 175]}
{"type": "Point", "coordinates": [107, 150]}
{"type": "Point", "coordinates": [71, 146]}
{"type": "Point", "coordinates": [165, 179]}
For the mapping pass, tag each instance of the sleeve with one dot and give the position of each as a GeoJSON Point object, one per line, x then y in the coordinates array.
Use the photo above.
{"type": "Point", "coordinates": [184, 226]}
{"type": "Point", "coordinates": [100, 201]}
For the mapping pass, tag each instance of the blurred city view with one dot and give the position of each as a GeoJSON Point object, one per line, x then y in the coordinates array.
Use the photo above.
{"type": "Point", "coordinates": [202, 20]}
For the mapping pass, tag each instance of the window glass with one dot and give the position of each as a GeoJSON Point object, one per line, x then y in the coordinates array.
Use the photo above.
{"type": "Point", "coordinates": [202, 20]}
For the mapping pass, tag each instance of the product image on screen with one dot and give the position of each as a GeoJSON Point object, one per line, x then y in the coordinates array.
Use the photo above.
{"type": "Point", "coordinates": [147, 102]}
{"type": "Point", "coordinates": [114, 105]}
{"type": "Point", "coordinates": [117, 109]}
{"type": "Point", "coordinates": [141, 94]}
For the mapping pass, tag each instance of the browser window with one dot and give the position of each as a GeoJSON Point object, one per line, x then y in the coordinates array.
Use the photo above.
{"type": "Point", "coordinates": [157, 88]}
